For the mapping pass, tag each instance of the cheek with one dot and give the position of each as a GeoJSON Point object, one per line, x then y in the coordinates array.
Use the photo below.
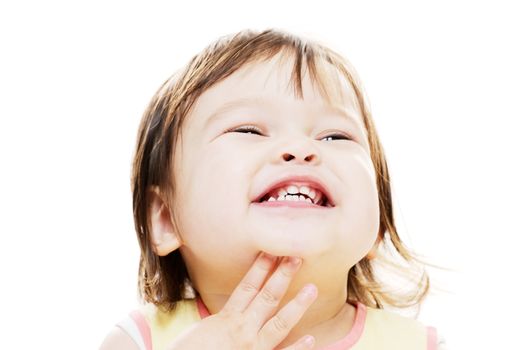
{"type": "Point", "coordinates": [222, 176]}
{"type": "Point", "coordinates": [213, 196]}
{"type": "Point", "coordinates": [214, 173]}
{"type": "Point", "coordinates": [360, 221]}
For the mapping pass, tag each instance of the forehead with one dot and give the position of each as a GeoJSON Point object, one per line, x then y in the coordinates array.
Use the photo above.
{"type": "Point", "coordinates": [269, 82]}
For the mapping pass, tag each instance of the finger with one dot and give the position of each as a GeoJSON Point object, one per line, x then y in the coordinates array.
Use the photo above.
{"type": "Point", "coordinates": [251, 283]}
{"type": "Point", "coordinates": [266, 301]}
{"type": "Point", "coordinates": [279, 326]}
{"type": "Point", "coordinates": [307, 342]}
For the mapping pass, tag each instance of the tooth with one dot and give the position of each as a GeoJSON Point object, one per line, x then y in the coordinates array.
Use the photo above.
{"type": "Point", "coordinates": [308, 200]}
{"type": "Point", "coordinates": [304, 190]}
{"type": "Point", "coordinates": [282, 192]}
{"type": "Point", "coordinates": [271, 199]}
{"type": "Point", "coordinates": [295, 198]}
{"type": "Point", "coordinates": [317, 197]}
{"type": "Point", "coordinates": [281, 198]}
{"type": "Point", "coordinates": [312, 194]}
{"type": "Point", "coordinates": [302, 199]}
{"type": "Point", "coordinates": [292, 189]}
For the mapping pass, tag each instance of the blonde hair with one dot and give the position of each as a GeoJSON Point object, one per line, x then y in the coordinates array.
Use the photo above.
{"type": "Point", "coordinates": [163, 280]}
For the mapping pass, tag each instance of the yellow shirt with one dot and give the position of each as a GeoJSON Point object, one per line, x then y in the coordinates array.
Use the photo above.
{"type": "Point", "coordinates": [373, 328]}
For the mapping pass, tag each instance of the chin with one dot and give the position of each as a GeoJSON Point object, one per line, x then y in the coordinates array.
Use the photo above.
{"type": "Point", "coordinates": [298, 242]}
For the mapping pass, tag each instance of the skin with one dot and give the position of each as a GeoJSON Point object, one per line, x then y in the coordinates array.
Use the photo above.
{"type": "Point", "coordinates": [249, 319]}
{"type": "Point", "coordinates": [219, 172]}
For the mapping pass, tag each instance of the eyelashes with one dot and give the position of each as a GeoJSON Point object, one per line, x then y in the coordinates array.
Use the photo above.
{"type": "Point", "coordinates": [251, 129]}
{"type": "Point", "coordinates": [338, 136]}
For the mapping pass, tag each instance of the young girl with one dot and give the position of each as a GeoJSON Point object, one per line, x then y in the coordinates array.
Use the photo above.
{"type": "Point", "coordinates": [262, 206]}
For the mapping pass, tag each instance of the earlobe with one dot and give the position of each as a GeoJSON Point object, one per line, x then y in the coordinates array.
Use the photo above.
{"type": "Point", "coordinates": [164, 238]}
{"type": "Point", "coordinates": [165, 242]}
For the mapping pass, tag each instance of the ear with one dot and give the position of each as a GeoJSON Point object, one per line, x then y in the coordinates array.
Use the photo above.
{"type": "Point", "coordinates": [372, 252]}
{"type": "Point", "coordinates": [163, 237]}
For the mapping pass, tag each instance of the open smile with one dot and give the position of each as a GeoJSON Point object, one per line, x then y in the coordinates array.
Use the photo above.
{"type": "Point", "coordinates": [297, 204]}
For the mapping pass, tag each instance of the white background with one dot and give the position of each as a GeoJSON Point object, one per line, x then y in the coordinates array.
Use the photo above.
{"type": "Point", "coordinates": [446, 81]}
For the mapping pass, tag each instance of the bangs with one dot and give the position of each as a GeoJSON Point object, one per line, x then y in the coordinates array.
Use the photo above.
{"type": "Point", "coordinates": [334, 82]}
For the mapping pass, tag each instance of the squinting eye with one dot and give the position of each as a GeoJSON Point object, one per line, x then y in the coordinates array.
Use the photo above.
{"type": "Point", "coordinates": [249, 129]}
{"type": "Point", "coordinates": [337, 137]}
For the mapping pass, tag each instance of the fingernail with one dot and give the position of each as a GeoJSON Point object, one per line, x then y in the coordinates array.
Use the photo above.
{"type": "Point", "coordinates": [267, 257]}
{"type": "Point", "coordinates": [309, 341]}
{"type": "Point", "coordinates": [293, 262]}
{"type": "Point", "coordinates": [308, 293]}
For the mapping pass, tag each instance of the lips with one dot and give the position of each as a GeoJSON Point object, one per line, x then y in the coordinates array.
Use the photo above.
{"type": "Point", "coordinates": [297, 180]}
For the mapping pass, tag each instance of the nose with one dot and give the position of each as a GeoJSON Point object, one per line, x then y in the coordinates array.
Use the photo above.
{"type": "Point", "coordinates": [289, 157]}
{"type": "Point", "coordinates": [300, 151]}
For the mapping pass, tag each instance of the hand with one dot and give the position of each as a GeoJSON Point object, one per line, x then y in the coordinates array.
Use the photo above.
{"type": "Point", "coordinates": [249, 319]}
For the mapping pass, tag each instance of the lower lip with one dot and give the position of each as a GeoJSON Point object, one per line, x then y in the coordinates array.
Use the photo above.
{"type": "Point", "coordinates": [290, 204]}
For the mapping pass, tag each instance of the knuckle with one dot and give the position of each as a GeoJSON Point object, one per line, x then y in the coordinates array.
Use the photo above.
{"type": "Point", "coordinates": [248, 287]}
{"type": "Point", "coordinates": [279, 324]}
{"type": "Point", "coordinates": [239, 333]}
{"type": "Point", "coordinates": [286, 272]}
{"type": "Point", "coordinates": [268, 297]}
{"type": "Point", "coordinates": [241, 340]}
{"type": "Point", "coordinates": [228, 315]}
{"type": "Point", "coordinates": [234, 319]}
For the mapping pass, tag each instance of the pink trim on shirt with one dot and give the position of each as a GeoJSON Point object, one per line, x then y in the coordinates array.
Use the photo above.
{"type": "Point", "coordinates": [350, 339]}
{"type": "Point", "coordinates": [431, 338]}
{"type": "Point", "coordinates": [141, 323]}
{"type": "Point", "coordinates": [201, 307]}
{"type": "Point", "coordinates": [356, 330]}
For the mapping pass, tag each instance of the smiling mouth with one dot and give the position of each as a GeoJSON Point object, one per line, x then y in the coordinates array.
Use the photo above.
{"type": "Point", "coordinates": [296, 192]}
{"type": "Point", "coordinates": [308, 200]}
{"type": "Point", "coordinates": [295, 201]}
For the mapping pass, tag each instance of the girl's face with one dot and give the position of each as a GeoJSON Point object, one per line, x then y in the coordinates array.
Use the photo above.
{"type": "Point", "coordinates": [249, 133]}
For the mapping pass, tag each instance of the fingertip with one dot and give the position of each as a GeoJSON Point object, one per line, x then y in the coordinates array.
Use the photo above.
{"type": "Point", "coordinates": [294, 261]}
{"type": "Point", "coordinates": [308, 341]}
{"type": "Point", "coordinates": [311, 287]}
{"type": "Point", "coordinates": [308, 293]}
{"type": "Point", "coordinates": [292, 264]}
{"type": "Point", "coordinates": [267, 258]}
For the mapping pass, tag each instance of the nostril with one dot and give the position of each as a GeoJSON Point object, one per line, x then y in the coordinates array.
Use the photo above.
{"type": "Point", "coordinates": [288, 157]}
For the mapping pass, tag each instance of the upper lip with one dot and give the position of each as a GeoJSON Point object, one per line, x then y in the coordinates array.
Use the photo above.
{"type": "Point", "coordinates": [307, 179]}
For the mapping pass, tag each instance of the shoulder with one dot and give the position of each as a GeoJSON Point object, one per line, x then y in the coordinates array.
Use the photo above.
{"type": "Point", "coordinates": [117, 339]}
{"type": "Point", "coordinates": [167, 325]}
{"type": "Point", "coordinates": [184, 312]}
{"type": "Point", "coordinates": [389, 318]}
{"type": "Point", "coordinates": [385, 328]}
{"type": "Point", "coordinates": [150, 327]}
{"type": "Point", "coordinates": [132, 332]}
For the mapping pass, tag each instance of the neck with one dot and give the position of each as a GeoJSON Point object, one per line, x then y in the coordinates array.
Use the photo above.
{"type": "Point", "coordinates": [328, 319]}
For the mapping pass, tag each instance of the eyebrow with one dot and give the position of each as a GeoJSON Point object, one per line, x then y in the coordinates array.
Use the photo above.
{"type": "Point", "coordinates": [237, 103]}
{"type": "Point", "coordinates": [262, 102]}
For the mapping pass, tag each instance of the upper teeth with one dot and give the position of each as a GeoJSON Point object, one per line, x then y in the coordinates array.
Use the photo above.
{"type": "Point", "coordinates": [290, 193]}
